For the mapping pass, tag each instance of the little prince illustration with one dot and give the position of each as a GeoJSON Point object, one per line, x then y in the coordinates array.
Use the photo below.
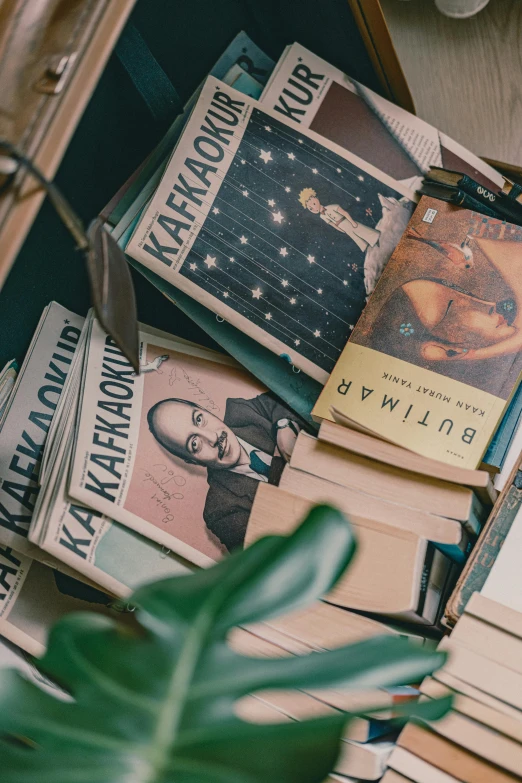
{"type": "Point", "coordinates": [334, 215]}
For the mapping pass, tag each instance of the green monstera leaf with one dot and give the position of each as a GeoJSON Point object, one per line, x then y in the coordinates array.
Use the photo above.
{"type": "Point", "coordinates": [157, 705]}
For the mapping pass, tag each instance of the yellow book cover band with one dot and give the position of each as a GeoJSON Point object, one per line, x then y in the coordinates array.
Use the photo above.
{"type": "Point", "coordinates": [416, 408]}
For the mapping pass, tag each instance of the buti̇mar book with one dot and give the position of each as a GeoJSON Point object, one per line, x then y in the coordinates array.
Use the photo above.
{"type": "Point", "coordinates": [436, 355]}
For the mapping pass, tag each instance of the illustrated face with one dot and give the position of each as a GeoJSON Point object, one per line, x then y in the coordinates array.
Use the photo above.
{"type": "Point", "coordinates": [313, 204]}
{"type": "Point", "coordinates": [196, 435]}
{"type": "Point", "coordinates": [453, 316]}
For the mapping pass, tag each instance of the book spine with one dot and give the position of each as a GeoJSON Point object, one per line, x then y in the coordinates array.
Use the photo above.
{"type": "Point", "coordinates": [425, 578]}
{"type": "Point", "coordinates": [500, 443]}
{"type": "Point", "coordinates": [513, 191]}
{"type": "Point", "coordinates": [478, 191]}
{"type": "Point", "coordinates": [510, 208]}
{"type": "Point", "coordinates": [507, 207]}
{"type": "Point", "coordinates": [484, 555]}
{"type": "Point", "coordinates": [456, 553]}
{"type": "Point", "coordinates": [462, 199]}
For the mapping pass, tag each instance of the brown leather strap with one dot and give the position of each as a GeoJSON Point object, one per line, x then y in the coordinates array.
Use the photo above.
{"type": "Point", "coordinates": [39, 111]}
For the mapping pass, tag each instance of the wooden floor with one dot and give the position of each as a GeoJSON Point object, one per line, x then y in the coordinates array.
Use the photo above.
{"type": "Point", "coordinates": [465, 75]}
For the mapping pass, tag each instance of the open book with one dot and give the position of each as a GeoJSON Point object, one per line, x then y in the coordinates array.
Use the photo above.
{"type": "Point", "coordinates": [316, 95]}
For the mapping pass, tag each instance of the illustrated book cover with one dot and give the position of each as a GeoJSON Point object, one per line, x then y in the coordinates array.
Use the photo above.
{"type": "Point", "coordinates": [436, 355]}
{"type": "Point", "coordinates": [177, 452]}
{"type": "Point", "coordinates": [314, 94]}
{"type": "Point", "coordinates": [274, 229]}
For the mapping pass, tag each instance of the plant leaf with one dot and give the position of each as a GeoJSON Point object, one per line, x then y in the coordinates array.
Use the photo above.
{"type": "Point", "coordinates": [157, 705]}
{"type": "Point", "coordinates": [112, 290]}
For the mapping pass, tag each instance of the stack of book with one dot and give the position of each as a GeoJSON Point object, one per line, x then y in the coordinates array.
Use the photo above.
{"type": "Point", "coordinates": [463, 190]}
{"type": "Point", "coordinates": [414, 529]}
{"type": "Point", "coordinates": [481, 738]}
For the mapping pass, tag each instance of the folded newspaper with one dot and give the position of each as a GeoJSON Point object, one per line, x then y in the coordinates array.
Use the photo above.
{"type": "Point", "coordinates": [176, 453]}
{"type": "Point", "coordinates": [26, 422]}
{"type": "Point", "coordinates": [109, 554]}
{"type": "Point", "coordinates": [33, 597]}
{"type": "Point", "coordinates": [275, 229]}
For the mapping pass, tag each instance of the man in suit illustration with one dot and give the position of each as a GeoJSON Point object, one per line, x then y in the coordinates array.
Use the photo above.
{"type": "Point", "coordinates": [250, 444]}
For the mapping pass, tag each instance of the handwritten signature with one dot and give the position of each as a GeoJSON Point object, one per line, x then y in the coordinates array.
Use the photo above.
{"type": "Point", "coordinates": [161, 496]}
{"type": "Point", "coordinates": [202, 397]}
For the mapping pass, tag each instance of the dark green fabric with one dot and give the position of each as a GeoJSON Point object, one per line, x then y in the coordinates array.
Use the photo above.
{"type": "Point", "coordinates": [148, 77]}
{"type": "Point", "coordinates": [117, 132]}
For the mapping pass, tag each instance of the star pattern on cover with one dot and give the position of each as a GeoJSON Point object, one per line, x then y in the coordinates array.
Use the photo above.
{"type": "Point", "coordinates": [276, 263]}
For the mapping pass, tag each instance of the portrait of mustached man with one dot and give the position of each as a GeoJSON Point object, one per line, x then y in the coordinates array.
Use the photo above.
{"type": "Point", "coordinates": [251, 444]}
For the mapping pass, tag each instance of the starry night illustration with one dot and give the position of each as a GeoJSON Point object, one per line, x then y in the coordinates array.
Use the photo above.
{"type": "Point", "coordinates": [296, 239]}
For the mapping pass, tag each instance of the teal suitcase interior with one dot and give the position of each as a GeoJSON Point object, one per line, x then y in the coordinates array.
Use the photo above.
{"type": "Point", "coordinates": [118, 131]}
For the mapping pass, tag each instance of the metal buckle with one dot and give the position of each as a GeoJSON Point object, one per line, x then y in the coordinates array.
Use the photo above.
{"type": "Point", "coordinates": [56, 74]}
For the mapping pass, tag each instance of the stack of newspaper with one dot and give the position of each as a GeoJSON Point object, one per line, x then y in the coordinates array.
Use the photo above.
{"type": "Point", "coordinates": [110, 479]}
{"type": "Point", "coordinates": [54, 554]}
